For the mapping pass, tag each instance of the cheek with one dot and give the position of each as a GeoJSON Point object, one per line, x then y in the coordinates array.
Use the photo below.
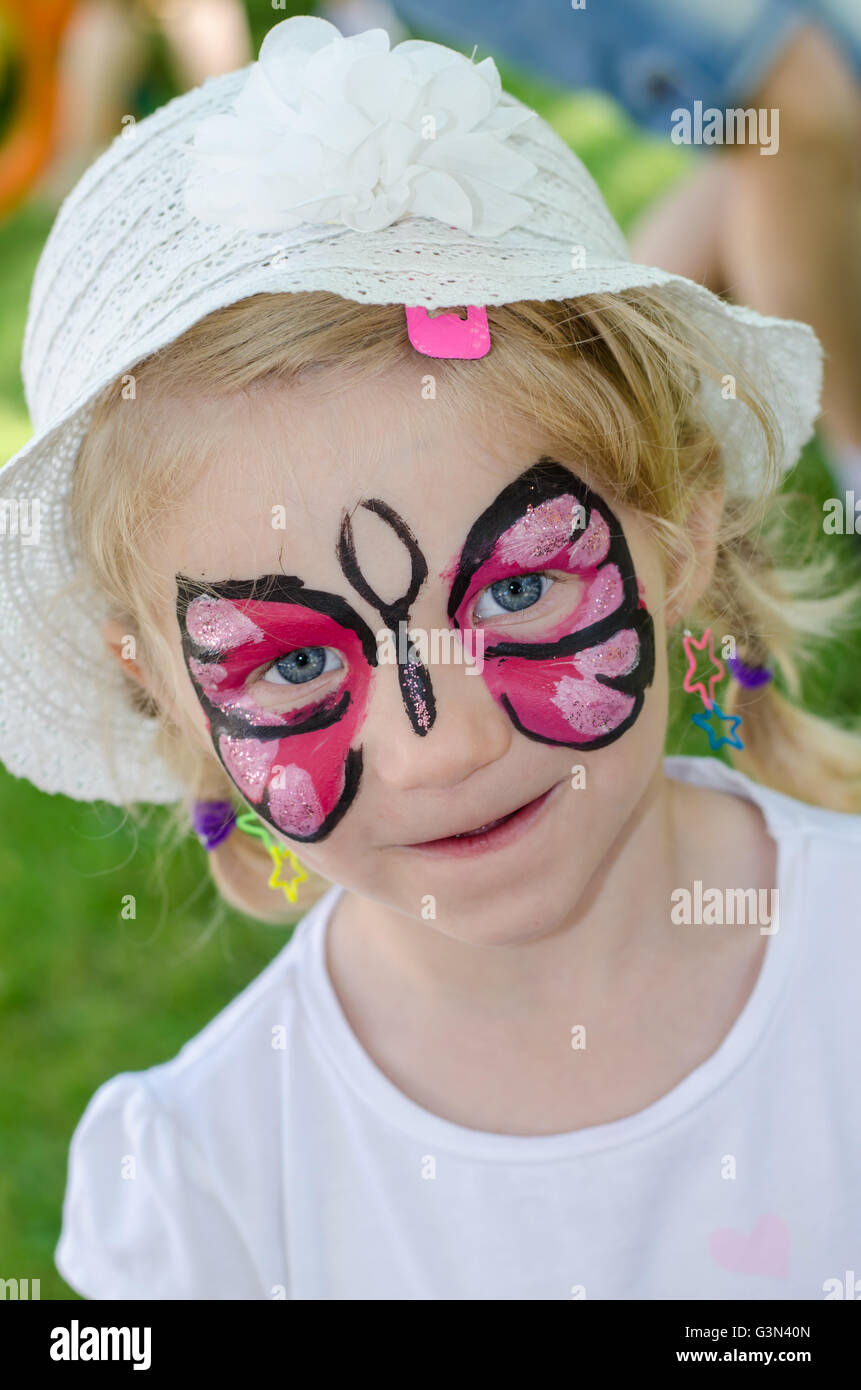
{"type": "Point", "coordinates": [562, 699]}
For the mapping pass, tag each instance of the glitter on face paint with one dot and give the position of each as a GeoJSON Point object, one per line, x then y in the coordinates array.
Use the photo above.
{"type": "Point", "coordinates": [412, 681]}
{"type": "Point", "coordinates": [312, 733]}
{"type": "Point", "coordinates": [604, 595]}
{"type": "Point", "coordinates": [615, 657]}
{"type": "Point", "coordinates": [577, 679]}
{"type": "Point", "coordinates": [593, 545]}
{"type": "Point", "coordinates": [293, 803]}
{"type": "Point", "coordinates": [542, 532]}
{"type": "Point", "coordinates": [248, 761]}
{"type": "Point", "coordinates": [208, 674]}
{"type": "Point", "coordinates": [591, 709]}
{"type": "Point", "coordinates": [218, 624]}
{"type": "Point", "coordinates": [415, 683]}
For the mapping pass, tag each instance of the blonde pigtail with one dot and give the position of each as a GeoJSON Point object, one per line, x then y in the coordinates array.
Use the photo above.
{"type": "Point", "coordinates": [768, 609]}
{"type": "Point", "coordinates": [795, 752]}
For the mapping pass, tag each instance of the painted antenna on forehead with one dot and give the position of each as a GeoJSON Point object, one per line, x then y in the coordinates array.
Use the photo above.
{"type": "Point", "coordinates": [413, 678]}
{"type": "Point", "coordinates": [447, 335]}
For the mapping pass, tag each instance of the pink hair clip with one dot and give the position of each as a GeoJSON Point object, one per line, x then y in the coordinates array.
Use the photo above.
{"type": "Point", "coordinates": [447, 335]}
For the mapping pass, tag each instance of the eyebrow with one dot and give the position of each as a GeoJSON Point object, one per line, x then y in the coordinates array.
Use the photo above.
{"type": "Point", "coordinates": [283, 588]}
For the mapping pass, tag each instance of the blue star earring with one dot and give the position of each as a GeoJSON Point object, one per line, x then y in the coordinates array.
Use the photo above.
{"type": "Point", "coordinates": [703, 721]}
{"type": "Point", "coordinates": [703, 718]}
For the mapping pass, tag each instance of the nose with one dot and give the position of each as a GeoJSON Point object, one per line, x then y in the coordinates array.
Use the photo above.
{"type": "Point", "coordinates": [469, 731]}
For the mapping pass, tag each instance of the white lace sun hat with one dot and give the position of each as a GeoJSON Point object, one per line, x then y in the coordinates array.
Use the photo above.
{"type": "Point", "coordinates": [405, 176]}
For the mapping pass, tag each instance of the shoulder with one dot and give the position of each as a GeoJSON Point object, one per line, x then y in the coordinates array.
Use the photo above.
{"type": "Point", "coordinates": [240, 1037]}
{"type": "Point", "coordinates": [819, 851]}
{"type": "Point", "coordinates": [155, 1203]}
{"type": "Point", "coordinates": [141, 1215]}
{"type": "Point", "coordinates": [236, 1056]}
{"type": "Point", "coordinates": [784, 815]}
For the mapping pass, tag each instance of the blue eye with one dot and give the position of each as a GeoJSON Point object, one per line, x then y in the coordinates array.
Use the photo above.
{"type": "Point", "coordinates": [303, 664]}
{"type": "Point", "coordinates": [512, 595]}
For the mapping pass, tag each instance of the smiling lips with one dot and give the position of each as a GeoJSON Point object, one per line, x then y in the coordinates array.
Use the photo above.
{"type": "Point", "coordinates": [495, 834]}
{"type": "Point", "coordinates": [491, 824]}
{"type": "Point", "coordinates": [459, 834]}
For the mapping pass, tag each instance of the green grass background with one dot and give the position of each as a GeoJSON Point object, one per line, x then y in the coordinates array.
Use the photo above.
{"type": "Point", "coordinates": [84, 993]}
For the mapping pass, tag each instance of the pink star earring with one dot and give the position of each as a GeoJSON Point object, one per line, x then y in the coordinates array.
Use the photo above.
{"type": "Point", "coordinates": [705, 690]}
{"type": "Point", "coordinates": [698, 687]}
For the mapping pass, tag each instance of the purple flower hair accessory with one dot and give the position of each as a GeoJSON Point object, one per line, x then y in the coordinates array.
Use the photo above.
{"type": "Point", "coordinates": [212, 822]}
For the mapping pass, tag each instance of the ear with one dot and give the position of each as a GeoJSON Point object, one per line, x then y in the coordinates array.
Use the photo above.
{"type": "Point", "coordinates": [691, 576]}
{"type": "Point", "coordinates": [123, 647]}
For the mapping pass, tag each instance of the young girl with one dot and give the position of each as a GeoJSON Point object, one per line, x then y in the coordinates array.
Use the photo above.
{"type": "Point", "coordinates": [572, 1020]}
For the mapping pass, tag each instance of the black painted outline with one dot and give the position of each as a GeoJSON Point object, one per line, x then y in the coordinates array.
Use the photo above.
{"type": "Point", "coordinates": [278, 588]}
{"type": "Point", "coordinates": [539, 483]}
{"type": "Point", "coordinates": [416, 689]}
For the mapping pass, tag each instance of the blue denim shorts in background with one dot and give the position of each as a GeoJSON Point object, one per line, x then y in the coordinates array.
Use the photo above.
{"type": "Point", "coordinates": [651, 55]}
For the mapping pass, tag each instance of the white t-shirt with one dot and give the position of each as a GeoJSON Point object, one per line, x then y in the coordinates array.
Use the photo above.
{"type": "Point", "coordinates": [271, 1158]}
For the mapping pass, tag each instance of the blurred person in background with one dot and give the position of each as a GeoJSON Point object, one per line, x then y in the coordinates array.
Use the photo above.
{"type": "Point", "coordinates": [81, 65]}
{"type": "Point", "coordinates": [778, 230]}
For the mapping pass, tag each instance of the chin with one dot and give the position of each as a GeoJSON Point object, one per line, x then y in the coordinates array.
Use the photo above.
{"type": "Point", "coordinates": [541, 904]}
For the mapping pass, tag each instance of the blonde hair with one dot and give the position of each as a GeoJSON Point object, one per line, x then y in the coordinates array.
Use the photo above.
{"type": "Point", "coordinates": [612, 378]}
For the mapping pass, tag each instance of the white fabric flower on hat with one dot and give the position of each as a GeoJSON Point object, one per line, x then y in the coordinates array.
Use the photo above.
{"type": "Point", "coordinates": [329, 129]}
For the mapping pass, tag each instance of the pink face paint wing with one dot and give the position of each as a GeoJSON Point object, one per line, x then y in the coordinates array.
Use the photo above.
{"type": "Point", "coordinates": [209, 676]}
{"type": "Point", "coordinates": [582, 683]}
{"type": "Point", "coordinates": [541, 534]}
{"type": "Point", "coordinates": [605, 594]}
{"type": "Point", "coordinates": [296, 762]}
{"type": "Point", "coordinates": [616, 657]}
{"type": "Point", "coordinates": [293, 802]}
{"type": "Point", "coordinates": [248, 761]}
{"type": "Point", "coordinates": [590, 710]}
{"type": "Point", "coordinates": [593, 545]}
{"type": "Point", "coordinates": [218, 624]}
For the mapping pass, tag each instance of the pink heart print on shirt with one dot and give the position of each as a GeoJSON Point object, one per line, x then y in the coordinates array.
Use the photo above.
{"type": "Point", "coordinates": [764, 1251]}
{"type": "Point", "coordinates": [583, 684]}
{"type": "Point", "coordinates": [297, 768]}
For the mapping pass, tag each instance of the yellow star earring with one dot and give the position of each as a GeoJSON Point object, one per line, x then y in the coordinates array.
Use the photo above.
{"type": "Point", "coordinates": [251, 823]}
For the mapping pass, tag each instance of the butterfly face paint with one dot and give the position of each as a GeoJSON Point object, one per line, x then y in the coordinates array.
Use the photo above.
{"type": "Point", "coordinates": [583, 684]}
{"type": "Point", "coordinates": [255, 648]}
{"type": "Point", "coordinates": [250, 658]}
{"type": "Point", "coordinates": [287, 750]}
